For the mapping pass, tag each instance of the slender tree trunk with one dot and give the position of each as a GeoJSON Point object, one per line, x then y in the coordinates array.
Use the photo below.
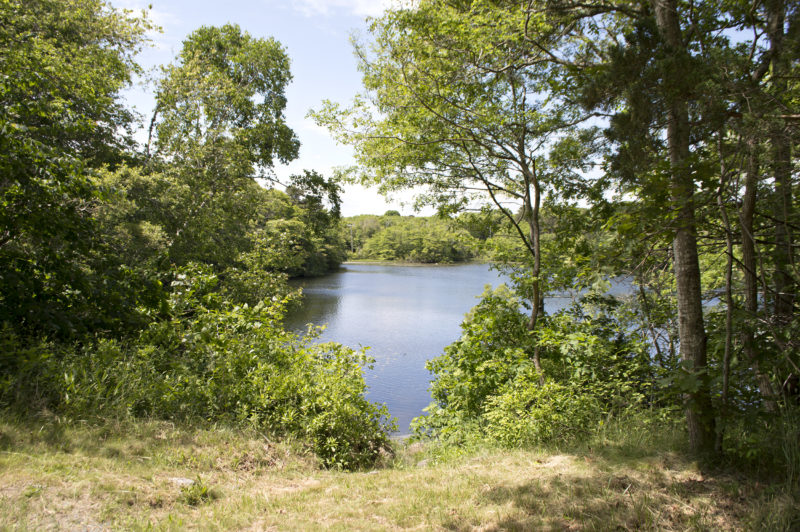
{"type": "Point", "coordinates": [648, 318]}
{"type": "Point", "coordinates": [781, 168]}
{"type": "Point", "coordinates": [532, 202]}
{"type": "Point", "coordinates": [691, 329]}
{"type": "Point", "coordinates": [784, 280]}
{"type": "Point", "coordinates": [726, 358]}
{"type": "Point", "coordinates": [150, 131]}
{"type": "Point", "coordinates": [750, 273]}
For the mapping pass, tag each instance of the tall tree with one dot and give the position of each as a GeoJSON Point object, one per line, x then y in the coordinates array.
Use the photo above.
{"type": "Point", "coordinates": [686, 264]}
{"type": "Point", "coordinates": [218, 125]}
{"type": "Point", "coordinates": [766, 129]}
{"type": "Point", "coordinates": [778, 59]}
{"type": "Point", "coordinates": [647, 66]}
{"type": "Point", "coordinates": [62, 67]}
{"type": "Point", "coordinates": [457, 107]}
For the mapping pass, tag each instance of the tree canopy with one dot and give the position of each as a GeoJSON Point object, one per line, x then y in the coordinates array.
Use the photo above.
{"type": "Point", "coordinates": [649, 144]}
{"type": "Point", "coordinates": [640, 111]}
{"type": "Point", "coordinates": [152, 281]}
{"type": "Point", "coordinates": [62, 71]}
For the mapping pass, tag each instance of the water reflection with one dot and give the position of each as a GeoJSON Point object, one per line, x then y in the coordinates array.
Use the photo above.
{"type": "Point", "coordinates": [406, 314]}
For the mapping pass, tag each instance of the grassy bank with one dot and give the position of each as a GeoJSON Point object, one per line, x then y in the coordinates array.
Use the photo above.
{"type": "Point", "coordinates": [157, 475]}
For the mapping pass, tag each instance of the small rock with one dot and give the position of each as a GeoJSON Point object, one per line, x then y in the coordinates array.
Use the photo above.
{"type": "Point", "coordinates": [423, 463]}
{"type": "Point", "coordinates": [182, 482]}
{"type": "Point", "coordinates": [414, 448]}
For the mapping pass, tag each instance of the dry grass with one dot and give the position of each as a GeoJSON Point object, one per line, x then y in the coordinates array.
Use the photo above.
{"type": "Point", "coordinates": [129, 476]}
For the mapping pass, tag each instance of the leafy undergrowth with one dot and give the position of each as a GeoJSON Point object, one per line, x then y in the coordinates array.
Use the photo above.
{"type": "Point", "coordinates": [157, 475]}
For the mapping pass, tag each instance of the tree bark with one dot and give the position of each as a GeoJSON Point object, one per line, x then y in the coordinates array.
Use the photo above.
{"type": "Point", "coordinates": [699, 411]}
{"type": "Point", "coordinates": [781, 168]}
{"type": "Point", "coordinates": [750, 275]}
{"type": "Point", "coordinates": [532, 208]}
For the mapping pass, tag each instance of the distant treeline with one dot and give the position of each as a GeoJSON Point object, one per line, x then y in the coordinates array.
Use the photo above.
{"type": "Point", "coordinates": [431, 239]}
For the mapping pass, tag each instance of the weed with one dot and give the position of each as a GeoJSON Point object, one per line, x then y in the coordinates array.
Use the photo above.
{"type": "Point", "coordinates": [32, 490]}
{"type": "Point", "coordinates": [195, 493]}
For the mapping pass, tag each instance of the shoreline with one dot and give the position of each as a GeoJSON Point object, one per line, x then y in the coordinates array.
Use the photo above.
{"type": "Point", "coordinates": [407, 263]}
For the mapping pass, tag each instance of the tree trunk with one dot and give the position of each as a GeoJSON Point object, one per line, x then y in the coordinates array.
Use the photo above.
{"type": "Point", "coordinates": [726, 359]}
{"type": "Point", "coordinates": [781, 168]}
{"type": "Point", "coordinates": [750, 274]}
{"type": "Point", "coordinates": [532, 208]}
{"type": "Point", "coordinates": [691, 329]}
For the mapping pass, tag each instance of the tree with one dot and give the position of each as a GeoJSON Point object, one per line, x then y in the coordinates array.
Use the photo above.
{"type": "Point", "coordinates": [457, 103]}
{"type": "Point", "coordinates": [220, 125]}
{"type": "Point", "coordinates": [226, 90]}
{"type": "Point", "coordinates": [408, 238]}
{"type": "Point", "coordinates": [490, 99]}
{"type": "Point", "coordinates": [755, 153]}
{"type": "Point", "coordinates": [669, 79]}
{"type": "Point", "coordinates": [62, 67]}
{"type": "Point", "coordinates": [310, 191]}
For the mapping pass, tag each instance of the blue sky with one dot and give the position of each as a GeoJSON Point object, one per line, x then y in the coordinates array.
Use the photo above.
{"type": "Point", "coordinates": [316, 36]}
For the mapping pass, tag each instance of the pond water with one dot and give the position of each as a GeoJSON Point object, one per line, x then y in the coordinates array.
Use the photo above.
{"type": "Point", "coordinates": [405, 314]}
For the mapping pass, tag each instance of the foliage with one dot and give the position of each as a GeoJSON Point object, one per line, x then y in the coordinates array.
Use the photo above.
{"type": "Point", "coordinates": [486, 381]}
{"type": "Point", "coordinates": [309, 191]}
{"type": "Point", "coordinates": [525, 414]}
{"type": "Point", "coordinates": [195, 493]}
{"type": "Point", "coordinates": [215, 362]}
{"type": "Point", "coordinates": [153, 284]}
{"type": "Point", "coordinates": [395, 238]}
{"type": "Point", "coordinates": [62, 68]}
{"type": "Point", "coordinates": [650, 139]}
{"type": "Point", "coordinates": [494, 346]}
{"type": "Point", "coordinates": [220, 125]}
{"type": "Point", "coordinates": [223, 103]}
{"type": "Point", "coordinates": [594, 346]}
{"type": "Point", "coordinates": [763, 445]}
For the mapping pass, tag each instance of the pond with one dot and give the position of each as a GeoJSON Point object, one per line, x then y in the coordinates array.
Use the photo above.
{"type": "Point", "coordinates": [405, 314]}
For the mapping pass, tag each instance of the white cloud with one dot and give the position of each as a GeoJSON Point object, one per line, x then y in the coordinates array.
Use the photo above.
{"type": "Point", "coordinates": [310, 126]}
{"type": "Point", "coordinates": [158, 16]}
{"type": "Point", "coordinates": [362, 8]}
{"type": "Point", "coordinates": [162, 19]}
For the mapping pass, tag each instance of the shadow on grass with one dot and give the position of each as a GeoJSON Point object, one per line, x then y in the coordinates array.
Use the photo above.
{"type": "Point", "coordinates": [654, 493]}
{"type": "Point", "coordinates": [163, 443]}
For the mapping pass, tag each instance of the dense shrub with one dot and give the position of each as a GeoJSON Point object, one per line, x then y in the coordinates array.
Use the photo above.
{"type": "Point", "coordinates": [425, 240]}
{"type": "Point", "coordinates": [211, 361]}
{"type": "Point", "coordinates": [593, 344]}
{"type": "Point", "coordinates": [593, 362]}
{"type": "Point", "coordinates": [526, 413]}
{"type": "Point", "coordinates": [494, 346]}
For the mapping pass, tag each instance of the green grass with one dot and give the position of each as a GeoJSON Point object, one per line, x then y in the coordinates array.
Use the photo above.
{"type": "Point", "coordinates": [135, 475]}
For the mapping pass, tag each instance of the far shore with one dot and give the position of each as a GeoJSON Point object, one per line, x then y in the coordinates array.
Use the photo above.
{"type": "Point", "coordinates": [409, 263]}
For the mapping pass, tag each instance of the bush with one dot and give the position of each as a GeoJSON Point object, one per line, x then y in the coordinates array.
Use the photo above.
{"type": "Point", "coordinates": [494, 348]}
{"type": "Point", "coordinates": [485, 381]}
{"type": "Point", "coordinates": [214, 362]}
{"type": "Point", "coordinates": [494, 345]}
{"type": "Point", "coordinates": [527, 414]}
{"type": "Point", "coordinates": [26, 376]}
{"type": "Point", "coordinates": [424, 240]}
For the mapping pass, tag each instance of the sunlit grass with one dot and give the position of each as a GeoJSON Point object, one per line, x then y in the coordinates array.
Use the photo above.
{"type": "Point", "coordinates": [136, 476]}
